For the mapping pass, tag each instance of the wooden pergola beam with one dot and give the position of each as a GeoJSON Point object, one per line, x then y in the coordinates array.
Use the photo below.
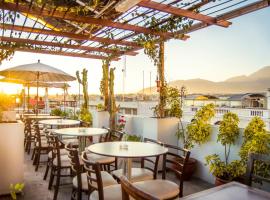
{"type": "Point", "coordinates": [59, 53]}
{"type": "Point", "coordinates": [68, 35]}
{"type": "Point", "coordinates": [232, 14]}
{"type": "Point", "coordinates": [183, 13]}
{"type": "Point", "coordinates": [62, 45]}
{"type": "Point", "coordinates": [86, 20]}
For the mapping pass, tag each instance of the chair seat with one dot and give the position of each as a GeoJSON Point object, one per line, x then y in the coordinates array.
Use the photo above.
{"type": "Point", "coordinates": [137, 174]}
{"type": "Point", "coordinates": [65, 162]}
{"type": "Point", "coordinates": [62, 152]}
{"type": "Point", "coordinates": [112, 192]}
{"type": "Point", "coordinates": [161, 189]}
{"type": "Point", "coordinates": [107, 180]}
{"type": "Point", "coordinates": [73, 141]}
{"type": "Point", "coordinates": [101, 159]}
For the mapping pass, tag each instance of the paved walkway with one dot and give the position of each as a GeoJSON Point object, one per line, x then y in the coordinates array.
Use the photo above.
{"type": "Point", "coordinates": [37, 189]}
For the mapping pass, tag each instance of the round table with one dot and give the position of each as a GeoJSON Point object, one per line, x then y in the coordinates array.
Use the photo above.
{"type": "Point", "coordinates": [82, 133]}
{"type": "Point", "coordinates": [60, 122]}
{"type": "Point", "coordinates": [127, 150]}
{"type": "Point", "coordinates": [41, 117]}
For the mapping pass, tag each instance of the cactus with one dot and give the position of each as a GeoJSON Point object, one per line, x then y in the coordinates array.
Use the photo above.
{"type": "Point", "coordinates": [85, 115]}
{"type": "Point", "coordinates": [104, 83]}
{"type": "Point", "coordinates": [112, 105]}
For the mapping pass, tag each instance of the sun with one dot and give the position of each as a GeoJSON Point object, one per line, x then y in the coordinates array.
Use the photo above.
{"type": "Point", "coordinates": [8, 88]}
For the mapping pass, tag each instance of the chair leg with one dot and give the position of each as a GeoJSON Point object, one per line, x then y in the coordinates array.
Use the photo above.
{"type": "Point", "coordinates": [47, 169]}
{"type": "Point", "coordinates": [33, 154]}
{"type": "Point", "coordinates": [57, 183]}
{"type": "Point", "coordinates": [29, 147]}
{"type": "Point", "coordinates": [38, 159]}
{"type": "Point", "coordinates": [51, 177]}
{"type": "Point", "coordinates": [79, 194]}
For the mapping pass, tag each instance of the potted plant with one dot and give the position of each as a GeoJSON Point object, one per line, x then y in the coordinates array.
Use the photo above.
{"type": "Point", "coordinates": [226, 171]}
{"type": "Point", "coordinates": [256, 140]}
{"type": "Point", "coordinates": [7, 104]}
{"type": "Point", "coordinates": [197, 132]}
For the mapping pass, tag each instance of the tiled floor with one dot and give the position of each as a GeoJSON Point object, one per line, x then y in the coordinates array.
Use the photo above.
{"type": "Point", "coordinates": [37, 189]}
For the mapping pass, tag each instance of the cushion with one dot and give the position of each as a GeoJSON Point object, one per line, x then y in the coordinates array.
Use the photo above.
{"type": "Point", "coordinates": [161, 189]}
{"type": "Point", "coordinates": [101, 159]}
{"type": "Point", "coordinates": [137, 174]}
{"type": "Point", "coordinates": [112, 192]}
{"type": "Point", "coordinates": [62, 152]}
{"type": "Point", "coordinates": [106, 178]}
{"type": "Point", "coordinates": [65, 162]}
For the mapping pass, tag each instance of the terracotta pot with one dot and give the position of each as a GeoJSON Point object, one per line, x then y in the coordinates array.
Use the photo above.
{"type": "Point", "coordinates": [190, 168]}
{"type": "Point", "coordinates": [220, 181]}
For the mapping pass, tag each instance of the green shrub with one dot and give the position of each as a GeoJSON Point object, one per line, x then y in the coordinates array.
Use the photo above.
{"type": "Point", "coordinates": [199, 129]}
{"type": "Point", "coordinates": [256, 140]}
{"type": "Point", "coordinates": [86, 116]}
{"type": "Point", "coordinates": [132, 138]}
{"type": "Point", "coordinates": [56, 112]}
{"type": "Point", "coordinates": [227, 136]}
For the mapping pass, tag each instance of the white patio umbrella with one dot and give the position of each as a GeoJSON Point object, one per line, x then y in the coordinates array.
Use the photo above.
{"type": "Point", "coordinates": [37, 72]}
{"type": "Point", "coordinates": [28, 84]}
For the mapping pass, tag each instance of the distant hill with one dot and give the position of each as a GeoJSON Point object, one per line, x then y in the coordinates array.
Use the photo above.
{"type": "Point", "coordinates": [258, 81]}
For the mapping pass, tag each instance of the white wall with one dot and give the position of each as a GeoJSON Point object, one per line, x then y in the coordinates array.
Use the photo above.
{"type": "Point", "coordinates": [165, 132]}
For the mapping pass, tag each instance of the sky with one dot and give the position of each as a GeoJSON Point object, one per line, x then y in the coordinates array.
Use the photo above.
{"type": "Point", "coordinates": [213, 53]}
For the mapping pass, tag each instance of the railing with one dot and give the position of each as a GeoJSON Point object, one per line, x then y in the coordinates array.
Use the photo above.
{"type": "Point", "coordinates": [241, 112]}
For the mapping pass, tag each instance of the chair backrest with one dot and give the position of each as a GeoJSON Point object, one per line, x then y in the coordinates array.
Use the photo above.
{"type": "Point", "coordinates": [105, 137]}
{"type": "Point", "coordinates": [253, 160]}
{"type": "Point", "coordinates": [56, 146]}
{"type": "Point", "coordinates": [37, 134]}
{"type": "Point", "coordinates": [94, 179]}
{"type": "Point", "coordinates": [84, 124]}
{"type": "Point", "coordinates": [151, 163]}
{"type": "Point", "coordinates": [176, 160]}
{"type": "Point", "coordinates": [112, 136]}
{"type": "Point", "coordinates": [130, 190]}
{"type": "Point", "coordinates": [76, 166]}
{"type": "Point", "coordinates": [115, 136]}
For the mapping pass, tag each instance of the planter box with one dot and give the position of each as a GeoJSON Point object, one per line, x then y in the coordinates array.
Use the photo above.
{"type": "Point", "coordinates": [12, 155]}
{"type": "Point", "coordinates": [162, 129]}
{"type": "Point", "coordinates": [9, 116]}
{"type": "Point", "coordinates": [100, 118]}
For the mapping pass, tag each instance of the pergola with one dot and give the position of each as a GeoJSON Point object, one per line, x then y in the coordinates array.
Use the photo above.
{"type": "Point", "coordinates": [99, 29]}
{"type": "Point", "coordinates": [108, 29]}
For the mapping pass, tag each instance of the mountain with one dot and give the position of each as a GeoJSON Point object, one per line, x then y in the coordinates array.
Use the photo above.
{"type": "Point", "coordinates": [258, 81]}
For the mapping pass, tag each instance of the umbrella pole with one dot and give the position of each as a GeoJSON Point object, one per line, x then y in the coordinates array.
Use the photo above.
{"type": "Point", "coordinates": [28, 98]}
{"type": "Point", "coordinates": [37, 93]}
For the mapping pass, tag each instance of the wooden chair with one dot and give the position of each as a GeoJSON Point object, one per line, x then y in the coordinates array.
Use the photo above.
{"type": "Point", "coordinates": [52, 155]}
{"type": "Point", "coordinates": [253, 159]}
{"type": "Point", "coordinates": [59, 164]}
{"type": "Point", "coordinates": [79, 185]}
{"type": "Point", "coordinates": [41, 147]}
{"type": "Point", "coordinates": [147, 171]}
{"type": "Point", "coordinates": [29, 135]}
{"type": "Point", "coordinates": [101, 184]}
{"type": "Point", "coordinates": [162, 188]}
{"type": "Point", "coordinates": [128, 189]}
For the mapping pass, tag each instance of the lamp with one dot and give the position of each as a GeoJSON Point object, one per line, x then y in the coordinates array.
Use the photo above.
{"type": "Point", "coordinates": [125, 5]}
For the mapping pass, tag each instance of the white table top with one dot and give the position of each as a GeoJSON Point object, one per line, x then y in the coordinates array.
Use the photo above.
{"type": "Point", "coordinates": [31, 114]}
{"type": "Point", "coordinates": [60, 122]}
{"type": "Point", "coordinates": [132, 150]}
{"type": "Point", "coordinates": [44, 117]}
{"type": "Point", "coordinates": [81, 131]}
